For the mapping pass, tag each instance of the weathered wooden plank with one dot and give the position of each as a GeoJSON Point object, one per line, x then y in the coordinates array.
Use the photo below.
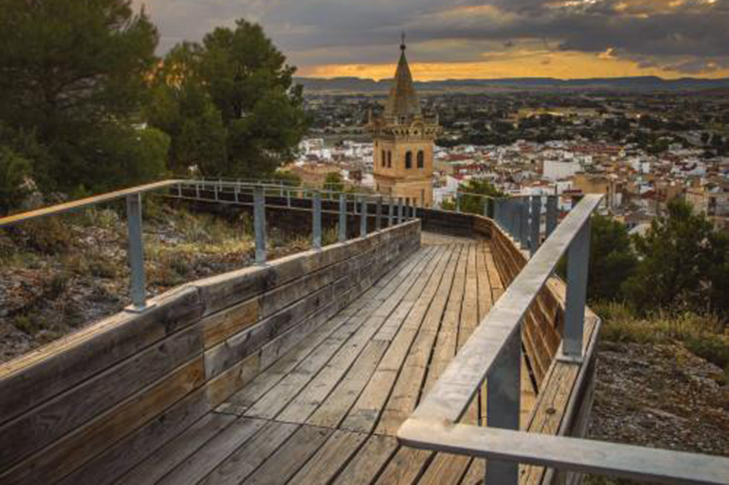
{"type": "Point", "coordinates": [73, 408]}
{"type": "Point", "coordinates": [330, 458]}
{"type": "Point", "coordinates": [39, 375]}
{"type": "Point", "coordinates": [406, 391]}
{"type": "Point", "coordinates": [224, 385]}
{"type": "Point", "coordinates": [317, 390]}
{"type": "Point", "coordinates": [125, 454]}
{"type": "Point", "coordinates": [445, 469]}
{"type": "Point", "coordinates": [288, 459]}
{"type": "Point", "coordinates": [337, 404]}
{"type": "Point", "coordinates": [405, 467]}
{"type": "Point", "coordinates": [72, 451]}
{"type": "Point", "coordinates": [221, 325]}
{"type": "Point", "coordinates": [241, 463]}
{"type": "Point", "coordinates": [223, 291]}
{"type": "Point", "coordinates": [212, 453]}
{"type": "Point", "coordinates": [159, 463]}
{"type": "Point", "coordinates": [366, 411]}
{"type": "Point", "coordinates": [368, 461]}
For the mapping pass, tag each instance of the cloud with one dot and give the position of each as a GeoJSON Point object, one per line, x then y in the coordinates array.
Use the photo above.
{"type": "Point", "coordinates": [678, 35]}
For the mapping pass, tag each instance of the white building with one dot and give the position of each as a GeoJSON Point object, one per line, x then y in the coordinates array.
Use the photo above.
{"type": "Point", "coordinates": [560, 169]}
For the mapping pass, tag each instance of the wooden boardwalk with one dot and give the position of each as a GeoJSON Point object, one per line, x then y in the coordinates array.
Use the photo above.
{"type": "Point", "coordinates": [328, 410]}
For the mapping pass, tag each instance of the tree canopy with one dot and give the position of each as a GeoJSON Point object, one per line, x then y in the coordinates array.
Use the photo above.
{"type": "Point", "coordinates": [229, 104]}
{"type": "Point", "coordinates": [86, 106]}
{"type": "Point", "coordinates": [72, 72]}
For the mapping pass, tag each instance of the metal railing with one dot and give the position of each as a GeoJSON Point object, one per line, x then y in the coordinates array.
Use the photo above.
{"type": "Point", "coordinates": [397, 213]}
{"type": "Point", "coordinates": [493, 354]}
{"type": "Point", "coordinates": [520, 216]}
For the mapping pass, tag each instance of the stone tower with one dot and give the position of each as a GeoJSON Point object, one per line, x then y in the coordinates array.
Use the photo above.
{"type": "Point", "coordinates": [403, 142]}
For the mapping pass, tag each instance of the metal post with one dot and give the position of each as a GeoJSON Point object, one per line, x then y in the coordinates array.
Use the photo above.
{"type": "Point", "coordinates": [136, 251]}
{"type": "Point", "coordinates": [288, 199]}
{"type": "Point", "coordinates": [378, 217]}
{"type": "Point", "coordinates": [342, 217]}
{"type": "Point", "coordinates": [363, 218]}
{"type": "Point", "coordinates": [236, 190]}
{"type": "Point", "coordinates": [458, 202]}
{"type": "Point", "coordinates": [197, 191]}
{"type": "Point", "coordinates": [215, 189]}
{"type": "Point", "coordinates": [513, 215]}
{"type": "Point", "coordinates": [551, 214]}
{"type": "Point", "coordinates": [535, 224]}
{"type": "Point", "coordinates": [259, 222]}
{"type": "Point", "coordinates": [316, 218]}
{"type": "Point", "coordinates": [497, 213]}
{"type": "Point", "coordinates": [503, 405]}
{"type": "Point", "coordinates": [390, 212]}
{"type": "Point", "coordinates": [578, 259]}
{"type": "Point", "coordinates": [485, 206]}
{"type": "Point", "coordinates": [399, 210]}
{"type": "Point", "coordinates": [524, 222]}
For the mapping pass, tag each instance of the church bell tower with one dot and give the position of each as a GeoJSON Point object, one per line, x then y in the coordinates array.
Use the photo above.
{"type": "Point", "coordinates": [403, 142]}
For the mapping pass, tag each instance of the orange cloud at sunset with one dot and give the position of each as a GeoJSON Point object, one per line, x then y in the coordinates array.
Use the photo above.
{"type": "Point", "coordinates": [562, 65]}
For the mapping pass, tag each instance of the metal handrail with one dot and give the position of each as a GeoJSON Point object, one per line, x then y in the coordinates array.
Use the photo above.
{"type": "Point", "coordinates": [397, 214]}
{"type": "Point", "coordinates": [493, 353]}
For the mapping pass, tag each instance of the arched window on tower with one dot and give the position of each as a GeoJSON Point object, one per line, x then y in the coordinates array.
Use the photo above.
{"type": "Point", "coordinates": [389, 159]}
{"type": "Point", "coordinates": [409, 160]}
{"type": "Point", "coordinates": [384, 160]}
{"type": "Point", "coordinates": [421, 159]}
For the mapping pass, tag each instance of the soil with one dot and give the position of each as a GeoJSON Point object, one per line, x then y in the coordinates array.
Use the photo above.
{"type": "Point", "coordinates": [659, 396]}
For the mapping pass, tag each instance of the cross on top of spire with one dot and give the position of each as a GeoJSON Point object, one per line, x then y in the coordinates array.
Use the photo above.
{"type": "Point", "coordinates": [402, 43]}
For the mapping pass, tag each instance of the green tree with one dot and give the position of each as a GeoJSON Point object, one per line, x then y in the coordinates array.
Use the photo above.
{"type": "Point", "coordinates": [70, 70]}
{"type": "Point", "coordinates": [229, 104]}
{"type": "Point", "coordinates": [334, 182]}
{"type": "Point", "coordinates": [675, 256]}
{"type": "Point", "coordinates": [474, 204]}
{"type": "Point", "coordinates": [612, 259]}
{"type": "Point", "coordinates": [180, 105]}
{"type": "Point", "coordinates": [14, 170]}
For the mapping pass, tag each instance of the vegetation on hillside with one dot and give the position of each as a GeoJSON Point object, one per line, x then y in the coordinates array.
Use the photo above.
{"type": "Point", "coordinates": [680, 264]}
{"type": "Point", "coordinates": [86, 106]}
{"type": "Point", "coordinates": [473, 204]}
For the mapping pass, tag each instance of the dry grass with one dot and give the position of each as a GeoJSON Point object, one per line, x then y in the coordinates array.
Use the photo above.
{"type": "Point", "coordinates": [706, 336]}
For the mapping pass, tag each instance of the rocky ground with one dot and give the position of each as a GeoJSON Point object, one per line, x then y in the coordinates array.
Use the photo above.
{"type": "Point", "coordinates": [659, 396]}
{"type": "Point", "coordinates": [61, 274]}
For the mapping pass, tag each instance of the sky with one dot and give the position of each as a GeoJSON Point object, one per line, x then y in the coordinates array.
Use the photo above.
{"type": "Point", "coordinates": [471, 39]}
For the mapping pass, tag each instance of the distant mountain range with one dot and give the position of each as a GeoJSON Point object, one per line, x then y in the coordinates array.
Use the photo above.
{"type": "Point", "coordinates": [642, 84]}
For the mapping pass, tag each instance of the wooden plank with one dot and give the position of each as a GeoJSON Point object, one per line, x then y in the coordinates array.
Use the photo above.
{"type": "Point", "coordinates": [246, 459]}
{"type": "Point", "coordinates": [330, 458]}
{"type": "Point", "coordinates": [406, 391]}
{"type": "Point", "coordinates": [221, 325]}
{"type": "Point", "coordinates": [368, 461]}
{"type": "Point", "coordinates": [319, 388]}
{"type": "Point", "coordinates": [41, 374]}
{"type": "Point", "coordinates": [288, 459]}
{"type": "Point", "coordinates": [366, 411]}
{"type": "Point", "coordinates": [445, 469]}
{"type": "Point", "coordinates": [73, 408]}
{"type": "Point", "coordinates": [223, 386]}
{"type": "Point", "coordinates": [337, 404]}
{"type": "Point", "coordinates": [405, 467]}
{"type": "Point", "coordinates": [205, 459]}
{"type": "Point", "coordinates": [72, 451]}
{"type": "Point", "coordinates": [112, 463]}
{"type": "Point", "coordinates": [159, 463]}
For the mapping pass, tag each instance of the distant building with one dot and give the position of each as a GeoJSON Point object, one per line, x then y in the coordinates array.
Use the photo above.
{"type": "Point", "coordinates": [403, 143]}
{"type": "Point", "coordinates": [559, 169]}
